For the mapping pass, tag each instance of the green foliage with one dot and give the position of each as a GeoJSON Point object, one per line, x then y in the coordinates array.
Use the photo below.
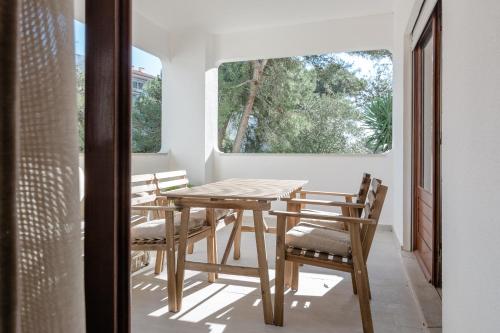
{"type": "Point", "coordinates": [334, 76]}
{"type": "Point", "coordinates": [146, 116]}
{"type": "Point", "coordinates": [311, 104]}
{"type": "Point", "coordinates": [232, 96]}
{"type": "Point", "coordinates": [378, 120]}
{"type": "Point", "coordinates": [146, 119]}
{"type": "Point", "coordinates": [374, 54]}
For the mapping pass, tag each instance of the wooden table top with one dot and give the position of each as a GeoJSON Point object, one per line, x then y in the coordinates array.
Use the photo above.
{"type": "Point", "coordinates": [241, 188]}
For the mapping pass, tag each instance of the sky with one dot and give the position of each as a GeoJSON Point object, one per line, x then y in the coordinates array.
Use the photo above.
{"type": "Point", "coordinates": [140, 58]}
{"type": "Point", "coordinates": [363, 65]}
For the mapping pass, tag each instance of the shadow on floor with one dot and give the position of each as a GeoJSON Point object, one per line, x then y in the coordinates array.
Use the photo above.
{"type": "Point", "coordinates": [323, 303]}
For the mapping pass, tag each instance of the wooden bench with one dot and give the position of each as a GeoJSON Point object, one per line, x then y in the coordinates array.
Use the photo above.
{"type": "Point", "coordinates": [155, 227]}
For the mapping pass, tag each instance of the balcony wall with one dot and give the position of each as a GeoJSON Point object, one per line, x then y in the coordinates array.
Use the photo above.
{"type": "Point", "coordinates": [324, 172]}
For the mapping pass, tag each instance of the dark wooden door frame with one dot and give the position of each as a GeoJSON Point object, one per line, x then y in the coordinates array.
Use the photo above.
{"type": "Point", "coordinates": [107, 165]}
{"type": "Point", "coordinates": [433, 26]}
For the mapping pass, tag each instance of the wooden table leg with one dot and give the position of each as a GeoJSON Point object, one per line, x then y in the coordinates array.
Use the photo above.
{"type": "Point", "coordinates": [181, 255]}
{"type": "Point", "coordinates": [237, 242]}
{"type": "Point", "coordinates": [263, 269]}
{"type": "Point", "coordinates": [212, 242]}
{"type": "Point", "coordinates": [279, 292]}
{"type": "Point", "coordinates": [232, 236]}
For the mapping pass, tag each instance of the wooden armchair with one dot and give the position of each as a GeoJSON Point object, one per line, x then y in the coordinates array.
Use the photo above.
{"type": "Point", "coordinates": [360, 197]}
{"type": "Point", "coordinates": [317, 245]}
{"type": "Point", "coordinates": [347, 208]}
{"type": "Point", "coordinates": [156, 228]}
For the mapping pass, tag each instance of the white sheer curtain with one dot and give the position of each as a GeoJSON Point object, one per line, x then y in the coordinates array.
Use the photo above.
{"type": "Point", "coordinates": [49, 276]}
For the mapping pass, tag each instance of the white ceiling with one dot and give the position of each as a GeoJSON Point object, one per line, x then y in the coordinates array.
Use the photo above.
{"type": "Point", "coordinates": [219, 16]}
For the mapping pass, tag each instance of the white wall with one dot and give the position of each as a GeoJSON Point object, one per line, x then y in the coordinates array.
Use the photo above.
{"type": "Point", "coordinates": [351, 34]}
{"type": "Point", "coordinates": [142, 163]}
{"type": "Point", "coordinates": [471, 165]}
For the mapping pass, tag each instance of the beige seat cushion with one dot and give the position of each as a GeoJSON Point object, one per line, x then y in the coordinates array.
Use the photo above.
{"type": "Point", "coordinates": [156, 228]}
{"type": "Point", "coordinates": [317, 238]}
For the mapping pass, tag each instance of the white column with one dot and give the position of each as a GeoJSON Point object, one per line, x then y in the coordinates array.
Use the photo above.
{"type": "Point", "coordinates": [187, 110]}
{"type": "Point", "coordinates": [401, 124]}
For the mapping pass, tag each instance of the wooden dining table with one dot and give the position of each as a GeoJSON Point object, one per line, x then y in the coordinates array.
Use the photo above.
{"type": "Point", "coordinates": [238, 194]}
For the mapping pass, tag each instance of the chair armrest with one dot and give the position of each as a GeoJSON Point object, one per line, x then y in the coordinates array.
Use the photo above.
{"type": "Point", "coordinates": [324, 203]}
{"type": "Point", "coordinates": [318, 216]}
{"type": "Point", "coordinates": [334, 194]}
{"type": "Point", "coordinates": [157, 208]}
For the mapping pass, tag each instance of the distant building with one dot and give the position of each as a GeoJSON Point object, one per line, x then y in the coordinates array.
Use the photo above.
{"type": "Point", "coordinates": [139, 77]}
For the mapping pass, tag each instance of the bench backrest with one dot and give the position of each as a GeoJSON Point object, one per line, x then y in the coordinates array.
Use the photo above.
{"type": "Point", "coordinates": [170, 180]}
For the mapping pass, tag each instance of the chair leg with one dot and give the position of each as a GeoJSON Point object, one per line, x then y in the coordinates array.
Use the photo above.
{"type": "Point", "coordinates": [295, 276]}
{"type": "Point", "coordinates": [237, 243]}
{"type": "Point", "coordinates": [361, 276]}
{"type": "Point", "coordinates": [292, 269]}
{"type": "Point", "coordinates": [354, 287]}
{"type": "Point", "coordinates": [170, 256]}
{"type": "Point", "coordinates": [368, 285]}
{"type": "Point", "coordinates": [190, 249]}
{"type": "Point", "coordinates": [159, 262]}
{"type": "Point", "coordinates": [279, 293]}
{"type": "Point", "coordinates": [181, 256]}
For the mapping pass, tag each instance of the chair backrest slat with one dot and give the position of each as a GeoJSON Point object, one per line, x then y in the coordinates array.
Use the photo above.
{"type": "Point", "coordinates": [373, 208]}
{"type": "Point", "coordinates": [363, 188]}
{"type": "Point", "coordinates": [363, 191]}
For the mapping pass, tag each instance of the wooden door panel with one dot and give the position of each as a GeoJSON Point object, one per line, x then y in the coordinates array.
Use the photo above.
{"type": "Point", "coordinates": [425, 232]}
{"type": "Point", "coordinates": [425, 196]}
{"type": "Point", "coordinates": [424, 257]}
{"type": "Point", "coordinates": [426, 147]}
{"type": "Point", "coordinates": [425, 210]}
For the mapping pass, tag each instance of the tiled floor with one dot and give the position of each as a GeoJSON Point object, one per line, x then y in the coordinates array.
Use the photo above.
{"type": "Point", "coordinates": [323, 303]}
